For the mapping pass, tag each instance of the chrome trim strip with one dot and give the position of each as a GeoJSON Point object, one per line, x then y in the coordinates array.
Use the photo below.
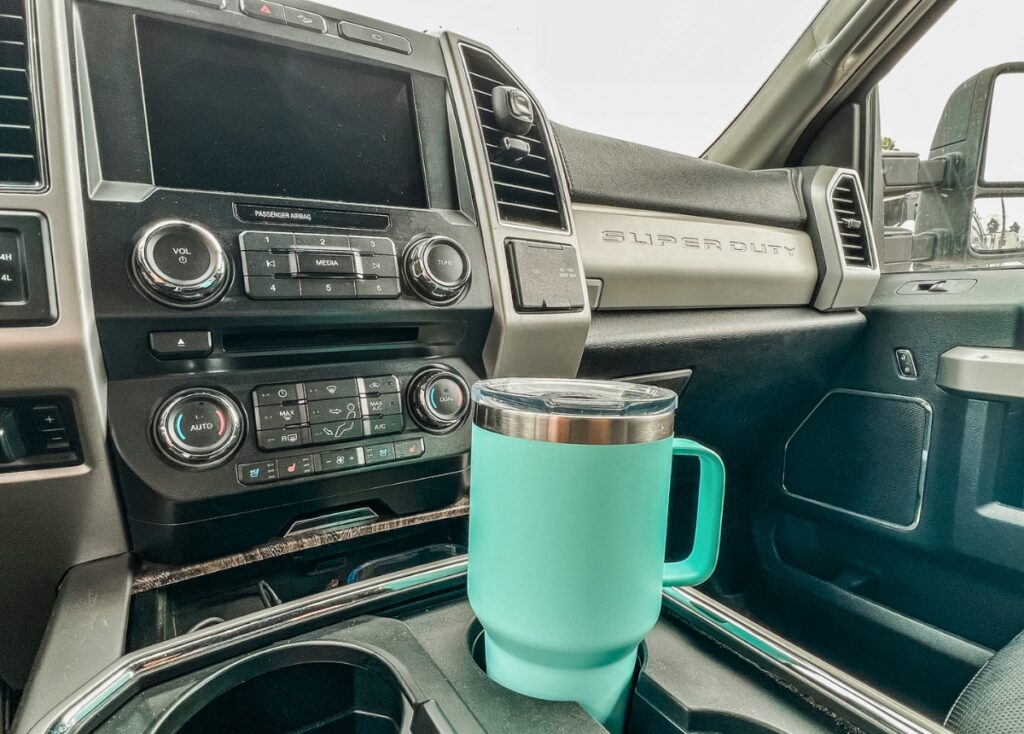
{"type": "Point", "coordinates": [851, 513]}
{"type": "Point", "coordinates": [120, 680]}
{"type": "Point", "coordinates": [867, 706]}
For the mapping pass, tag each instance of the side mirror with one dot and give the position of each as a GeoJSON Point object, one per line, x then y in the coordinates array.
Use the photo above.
{"type": "Point", "coordinates": [970, 191]}
{"type": "Point", "coordinates": [1003, 156]}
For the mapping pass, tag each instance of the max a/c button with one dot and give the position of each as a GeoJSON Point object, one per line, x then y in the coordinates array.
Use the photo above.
{"type": "Point", "coordinates": [180, 344]}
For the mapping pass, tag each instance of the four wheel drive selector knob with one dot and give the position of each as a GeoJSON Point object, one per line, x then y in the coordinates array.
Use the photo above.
{"type": "Point", "coordinates": [180, 263]}
{"type": "Point", "coordinates": [199, 427]}
{"type": "Point", "coordinates": [438, 269]}
{"type": "Point", "coordinates": [438, 399]}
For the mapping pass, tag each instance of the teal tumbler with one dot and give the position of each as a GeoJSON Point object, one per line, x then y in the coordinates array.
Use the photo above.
{"type": "Point", "coordinates": [567, 529]}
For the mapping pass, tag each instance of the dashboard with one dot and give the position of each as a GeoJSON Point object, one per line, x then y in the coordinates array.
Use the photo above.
{"type": "Point", "coordinates": [303, 234]}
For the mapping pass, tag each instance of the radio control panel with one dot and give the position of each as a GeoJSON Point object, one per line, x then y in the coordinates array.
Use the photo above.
{"type": "Point", "coordinates": [311, 265]}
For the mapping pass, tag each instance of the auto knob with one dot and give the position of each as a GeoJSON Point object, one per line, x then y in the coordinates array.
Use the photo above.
{"type": "Point", "coordinates": [438, 269]}
{"type": "Point", "coordinates": [199, 427]}
{"type": "Point", "coordinates": [180, 263]}
{"type": "Point", "coordinates": [438, 399]}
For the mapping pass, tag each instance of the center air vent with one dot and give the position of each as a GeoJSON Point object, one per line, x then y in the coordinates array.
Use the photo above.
{"type": "Point", "coordinates": [851, 224]}
{"type": "Point", "coordinates": [19, 151]}
{"type": "Point", "coordinates": [522, 171]}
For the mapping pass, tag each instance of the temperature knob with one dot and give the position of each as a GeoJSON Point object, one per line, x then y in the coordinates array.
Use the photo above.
{"type": "Point", "coordinates": [438, 269]}
{"type": "Point", "coordinates": [199, 427]}
{"type": "Point", "coordinates": [438, 399]}
{"type": "Point", "coordinates": [180, 263]}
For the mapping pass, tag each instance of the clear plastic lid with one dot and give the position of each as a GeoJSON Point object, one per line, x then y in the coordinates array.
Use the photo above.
{"type": "Point", "coordinates": [575, 398]}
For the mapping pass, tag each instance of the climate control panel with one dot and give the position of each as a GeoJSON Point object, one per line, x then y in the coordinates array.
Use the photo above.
{"type": "Point", "coordinates": [326, 411]}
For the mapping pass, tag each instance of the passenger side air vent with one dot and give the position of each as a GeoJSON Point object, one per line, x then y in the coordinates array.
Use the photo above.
{"type": "Point", "coordinates": [522, 170]}
{"type": "Point", "coordinates": [851, 224]}
{"type": "Point", "coordinates": [19, 150]}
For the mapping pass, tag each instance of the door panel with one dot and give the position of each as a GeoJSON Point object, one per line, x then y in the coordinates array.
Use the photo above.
{"type": "Point", "coordinates": [918, 607]}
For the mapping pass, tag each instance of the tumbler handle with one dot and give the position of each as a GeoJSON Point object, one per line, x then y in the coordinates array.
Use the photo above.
{"type": "Point", "coordinates": [700, 564]}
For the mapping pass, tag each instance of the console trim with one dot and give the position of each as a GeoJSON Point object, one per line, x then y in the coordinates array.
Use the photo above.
{"type": "Point", "coordinates": [750, 640]}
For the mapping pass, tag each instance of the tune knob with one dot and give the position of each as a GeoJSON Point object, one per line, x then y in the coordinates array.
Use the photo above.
{"type": "Point", "coordinates": [180, 263]}
{"type": "Point", "coordinates": [199, 427]}
{"type": "Point", "coordinates": [438, 399]}
{"type": "Point", "coordinates": [438, 269]}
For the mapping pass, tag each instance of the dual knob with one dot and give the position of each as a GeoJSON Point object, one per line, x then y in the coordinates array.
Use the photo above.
{"type": "Point", "coordinates": [183, 264]}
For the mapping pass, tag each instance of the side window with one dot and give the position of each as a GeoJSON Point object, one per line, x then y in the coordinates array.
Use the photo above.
{"type": "Point", "coordinates": [952, 121]}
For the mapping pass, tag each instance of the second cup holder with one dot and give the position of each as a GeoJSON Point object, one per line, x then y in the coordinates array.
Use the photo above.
{"type": "Point", "coordinates": [312, 688]}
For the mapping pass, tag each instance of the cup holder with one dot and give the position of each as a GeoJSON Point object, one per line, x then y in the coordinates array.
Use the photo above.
{"type": "Point", "coordinates": [645, 716]}
{"type": "Point", "coordinates": [313, 688]}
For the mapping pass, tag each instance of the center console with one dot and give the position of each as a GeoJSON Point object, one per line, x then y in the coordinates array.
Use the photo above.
{"type": "Point", "coordinates": [288, 267]}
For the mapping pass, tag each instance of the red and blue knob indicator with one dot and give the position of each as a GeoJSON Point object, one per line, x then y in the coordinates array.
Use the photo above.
{"type": "Point", "coordinates": [199, 427]}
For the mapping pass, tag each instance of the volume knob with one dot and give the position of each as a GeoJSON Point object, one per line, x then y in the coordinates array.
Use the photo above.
{"type": "Point", "coordinates": [180, 263]}
{"type": "Point", "coordinates": [438, 269]}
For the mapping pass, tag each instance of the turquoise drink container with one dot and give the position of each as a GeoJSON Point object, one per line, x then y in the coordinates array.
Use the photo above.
{"type": "Point", "coordinates": [567, 529]}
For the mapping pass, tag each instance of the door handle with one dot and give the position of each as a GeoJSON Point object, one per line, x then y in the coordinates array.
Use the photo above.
{"type": "Point", "coordinates": [990, 374]}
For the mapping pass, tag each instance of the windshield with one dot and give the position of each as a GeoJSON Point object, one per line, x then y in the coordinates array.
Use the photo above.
{"type": "Point", "coordinates": [668, 74]}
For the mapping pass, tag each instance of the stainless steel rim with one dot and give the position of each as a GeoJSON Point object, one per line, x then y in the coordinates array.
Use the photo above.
{"type": "Point", "coordinates": [586, 430]}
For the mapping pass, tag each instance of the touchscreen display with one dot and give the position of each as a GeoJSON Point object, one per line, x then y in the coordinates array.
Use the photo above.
{"type": "Point", "coordinates": [230, 114]}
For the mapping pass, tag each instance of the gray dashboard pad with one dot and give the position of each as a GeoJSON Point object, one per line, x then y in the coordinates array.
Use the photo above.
{"type": "Point", "coordinates": [603, 170]}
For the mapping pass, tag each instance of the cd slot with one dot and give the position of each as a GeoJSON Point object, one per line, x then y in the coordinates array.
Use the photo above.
{"type": "Point", "coordinates": [318, 339]}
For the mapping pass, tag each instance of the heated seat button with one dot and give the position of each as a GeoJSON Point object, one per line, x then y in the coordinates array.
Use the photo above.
{"type": "Point", "coordinates": [180, 344]}
{"type": "Point", "coordinates": [264, 9]}
{"type": "Point", "coordinates": [409, 449]}
{"type": "Point", "coordinates": [257, 473]}
{"type": "Point", "coordinates": [295, 466]}
{"type": "Point", "coordinates": [380, 453]}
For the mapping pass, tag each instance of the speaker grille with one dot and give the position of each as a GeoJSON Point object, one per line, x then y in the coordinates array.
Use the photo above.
{"type": "Point", "coordinates": [862, 453]}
